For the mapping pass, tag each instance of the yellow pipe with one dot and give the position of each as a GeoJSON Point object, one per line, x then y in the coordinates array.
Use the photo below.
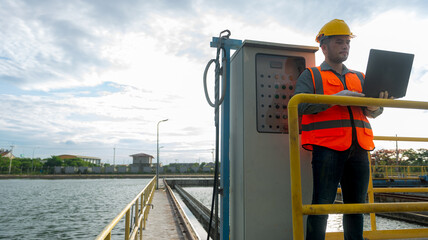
{"type": "Point", "coordinates": [127, 223]}
{"type": "Point", "coordinates": [142, 202]}
{"type": "Point", "coordinates": [386, 172]}
{"type": "Point", "coordinates": [322, 209]}
{"type": "Point", "coordinates": [136, 212]}
{"type": "Point", "coordinates": [397, 190]}
{"type": "Point", "coordinates": [397, 234]}
{"type": "Point", "coordinates": [356, 101]}
{"type": "Point", "coordinates": [370, 193]}
{"type": "Point", "coordinates": [296, 184]}
{"type": "Point", "coordinates": [141, 227]}
{"type": "Point", "coordinates": [399, 178]}
{"type": "Point", "coordinates": [141, 215]}
{"type": "Point", "coordinates": [385, 234]}
{"type": "Point", "coordinates": [393, 138]}
{"type": "Point", "coordinates": [134, 233]}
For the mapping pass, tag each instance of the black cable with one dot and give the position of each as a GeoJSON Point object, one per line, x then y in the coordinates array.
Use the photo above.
{"type": "Point", "coordinates": [217, 131]}
{"type": "Point", "coordinates": [217, 102]}
{"type": "Point", "coordinates": [215, 187]}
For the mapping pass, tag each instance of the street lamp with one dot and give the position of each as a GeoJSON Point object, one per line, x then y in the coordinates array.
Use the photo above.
{"type": "Point", "coordinates": [157, 159]}
{"type": "Point", "coordinates": [32, 159]}
{"type": "Point", "coordinates": [10, 158]}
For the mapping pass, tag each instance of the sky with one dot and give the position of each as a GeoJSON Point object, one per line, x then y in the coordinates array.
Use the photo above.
{"type": "Point", "coordinates": [94, 78]}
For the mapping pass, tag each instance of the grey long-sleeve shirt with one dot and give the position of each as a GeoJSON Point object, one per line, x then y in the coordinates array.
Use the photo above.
{"type": "Point", "coordinates": [305, 85]}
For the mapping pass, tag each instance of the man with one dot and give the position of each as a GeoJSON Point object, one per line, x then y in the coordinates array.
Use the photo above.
{"type": "Point", "coordinates": [339, 136]}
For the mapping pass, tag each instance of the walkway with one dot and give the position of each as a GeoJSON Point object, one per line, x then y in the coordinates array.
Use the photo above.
{"type": "Point", "coordinates": [162, 223]}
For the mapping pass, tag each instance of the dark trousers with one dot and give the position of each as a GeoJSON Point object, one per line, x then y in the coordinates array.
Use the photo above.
{"type": "Point", "coordinates": [350, 168]}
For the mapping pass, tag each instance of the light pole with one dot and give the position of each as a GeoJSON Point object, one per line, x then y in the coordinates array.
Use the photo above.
{"type": "Point", "coordinates": [10, 158]}
{"type": "Point", "coordinates": [114, 155]}
{"type": "Point", "coordinates": [157, 159]}
{"type": "Point", "coordinates": [32, 158]}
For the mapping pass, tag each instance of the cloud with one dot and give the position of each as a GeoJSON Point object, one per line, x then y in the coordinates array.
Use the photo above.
{"type": "Point", "coordinates": [103, 73]}
{"type": "Point", "coordinates": [69, 142]}
{"type": "Point", "coordinates": [49, 45]}
{"type": "Point", "coordinates": [42, 48]}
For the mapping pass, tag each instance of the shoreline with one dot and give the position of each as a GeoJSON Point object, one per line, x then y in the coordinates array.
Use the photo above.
{"type": "Point", "coordinates": [98, 176]}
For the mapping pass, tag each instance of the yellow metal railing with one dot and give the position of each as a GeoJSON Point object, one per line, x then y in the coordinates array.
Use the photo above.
{"type": "Point", "coordinates": [398, 171]}
{"type": "Point", "coordinates": [296, 186]}
{"type": "Point", "coordinates": [141, 204]}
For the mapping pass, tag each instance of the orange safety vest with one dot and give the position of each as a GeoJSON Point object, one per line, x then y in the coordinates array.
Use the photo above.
{"type": "Point", "coordinates": [332, 128]}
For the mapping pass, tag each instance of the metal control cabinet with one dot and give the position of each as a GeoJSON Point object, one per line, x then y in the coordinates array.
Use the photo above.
{"type": "Point", "coordinates": [263, 77]}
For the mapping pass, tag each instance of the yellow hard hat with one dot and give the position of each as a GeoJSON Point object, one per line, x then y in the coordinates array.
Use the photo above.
{"type": "Point", "coordinates": [333, 28]}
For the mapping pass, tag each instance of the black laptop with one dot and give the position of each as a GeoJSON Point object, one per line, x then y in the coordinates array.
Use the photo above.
{"type": "Point", "coordinates": [387, 71]}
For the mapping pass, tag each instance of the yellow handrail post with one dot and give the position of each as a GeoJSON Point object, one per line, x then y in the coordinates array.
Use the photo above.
{"type": "Point", "coordinates": [136, 215]}
{"type": "Point", "coordinates": [387, 171]}
{"type": "Point", "coordinates": [145, 197]}
{"type": "Point", "coordinates": [371, 196]}
{"type": "Point", "coordinates": [141, 228]}
{"type": "Point", "coordinates": [144, 218]}
{"type": "Point", "coordinates": [142, 214]}
{"type": "Point", "coordinates": [296, 186]}
{"type": "Point", "coordinates": [127, 223]}
{"type": "Point", "coordinates": [142, 202]}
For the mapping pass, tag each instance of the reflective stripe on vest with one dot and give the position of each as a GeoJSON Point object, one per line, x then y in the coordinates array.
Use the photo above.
{"type": "Point", "coordinates": [332, 128]}
{"type": "Point", "coordinates": [334, 124]}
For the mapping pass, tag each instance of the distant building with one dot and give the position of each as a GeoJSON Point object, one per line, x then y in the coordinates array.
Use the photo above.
{"type": "Point", "coordinates": [141, 160]}
{"type": "Point", "coordinates": [6, 153]}
{"type": "Point", "coordinates": [93, 160]}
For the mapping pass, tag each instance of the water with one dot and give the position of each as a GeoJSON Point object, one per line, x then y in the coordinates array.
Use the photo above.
{"type": "Point", "coordinates": [202, 194]}
{"type": "Point", "coordinates": [199, 229]}
{"type": "Point", "coordinates": [334, 224]}
{"type": "Point", "coordinates": [63, 209]}
{"type": "Point", "coordinates": [81, 208]}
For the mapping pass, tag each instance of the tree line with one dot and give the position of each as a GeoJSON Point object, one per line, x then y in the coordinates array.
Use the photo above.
{"type": "Point", "coordinates": [47, 165]}
{"type": "Point", "coordinates": [38, 164]}
{"type": "Point", "coordinates": [406, 157]}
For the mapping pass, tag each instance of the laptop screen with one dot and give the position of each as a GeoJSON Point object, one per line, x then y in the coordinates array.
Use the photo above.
{"type": "Point", "coordinates": [387, 71]}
